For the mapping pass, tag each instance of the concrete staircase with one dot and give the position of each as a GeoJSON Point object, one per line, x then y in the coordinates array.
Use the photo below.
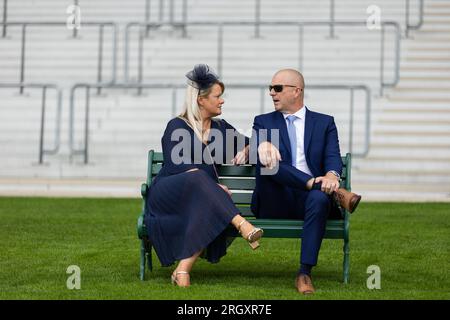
{"type": "Point", "coordinates": [408, 126]}
{"type": "Point", "coordinates": [410, 151]}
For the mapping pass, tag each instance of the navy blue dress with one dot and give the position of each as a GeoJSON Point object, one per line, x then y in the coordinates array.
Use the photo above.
{"type": "Point", "coordinates": [185, 211]}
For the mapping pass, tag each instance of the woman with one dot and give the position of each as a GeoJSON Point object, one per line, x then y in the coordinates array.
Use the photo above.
{"type": "Point", "coordinates": [187, 210]}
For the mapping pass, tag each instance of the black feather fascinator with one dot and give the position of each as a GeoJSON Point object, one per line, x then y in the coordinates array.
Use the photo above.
{"type": "Point", "coordinates": [201, 77]}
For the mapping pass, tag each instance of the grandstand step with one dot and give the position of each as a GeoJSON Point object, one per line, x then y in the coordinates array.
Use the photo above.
{"type": "Point", "coordinates": [422, 100]}
{"type": "Point", "coordinates": [413, 106]}
{"type": "Point", "coordinates": [404, 177]}
{"type": "Point", "coordinates": [400, 192]}
{"type": "Point", "coordinates": [71, 187]}
{"type": "Point", "coordinates": [403, 147]}
{"type": "Point", "coordinates": [403, 154]}
{"type": "Point", "coordinates": [404, 128]}
{"type": "Point", "coordinates": [439, 54]}
{"type": "Point", "coordinates": [403, 164]}
{"type": "Point", "coordinates": [424, 93]}
{"type": "Point", "coordinates": [415, 119]}
{"type": "Point", "coordinates": [411, 139]}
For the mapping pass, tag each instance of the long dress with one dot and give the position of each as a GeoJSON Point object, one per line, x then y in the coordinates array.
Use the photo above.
{"type": "Point", "coordinates": [185, 211]}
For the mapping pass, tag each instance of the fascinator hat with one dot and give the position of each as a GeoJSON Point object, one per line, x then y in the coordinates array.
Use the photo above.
{"type": "Point", "coordinates": [202, 77]}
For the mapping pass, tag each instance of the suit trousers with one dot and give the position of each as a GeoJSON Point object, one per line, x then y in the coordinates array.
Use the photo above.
{"type": "Point", "coordinates": [313, 207]}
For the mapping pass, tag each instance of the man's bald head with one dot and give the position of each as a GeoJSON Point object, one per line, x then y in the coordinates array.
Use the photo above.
{"type": "Point", "coordinates": [290, 98]}
{"type": "Point", "coordinates": [293, 76]}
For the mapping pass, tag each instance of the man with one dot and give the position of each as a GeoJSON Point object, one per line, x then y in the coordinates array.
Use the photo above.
{"type": "Point", "coordinates": [306, 168]}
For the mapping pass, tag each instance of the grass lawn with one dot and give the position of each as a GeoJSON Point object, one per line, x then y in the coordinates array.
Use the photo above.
{"type": "Point", "coordinates": [41, 237]}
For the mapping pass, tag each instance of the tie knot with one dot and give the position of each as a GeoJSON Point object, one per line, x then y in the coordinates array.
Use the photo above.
{"type": "Point", "coordinates": [291, 118]}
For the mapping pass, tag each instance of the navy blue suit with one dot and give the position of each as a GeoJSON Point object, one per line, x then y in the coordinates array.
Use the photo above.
{"type": "Point", "coordinates": [284, 195]}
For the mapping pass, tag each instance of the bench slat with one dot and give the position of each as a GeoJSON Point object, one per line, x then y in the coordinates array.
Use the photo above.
{"type": "Point", "coordinates": [245, 210]}
{"type": "Point", "coordinates": [274, 228]}
{"type": "Point", "coordinates": [238, 184]}
{"type": "Point", "coordinates": [242, 198]}
{"type": "Point", "coordinates": [223, 171]}
{"type": "Point", "coordinates": [241, 171]}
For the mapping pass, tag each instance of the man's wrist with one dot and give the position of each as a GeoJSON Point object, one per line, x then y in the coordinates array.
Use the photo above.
{"type": "Point", "coordinates": [335, 173]}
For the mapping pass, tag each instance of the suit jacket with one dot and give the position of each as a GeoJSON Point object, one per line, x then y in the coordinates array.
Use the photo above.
{"type": "Point", "coordinates": [275, 195]}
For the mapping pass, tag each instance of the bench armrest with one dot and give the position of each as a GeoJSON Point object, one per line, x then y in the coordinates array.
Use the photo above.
{"type": "Point", "coordinates": [141, 229]}
{"type": "Point", "coordinates": [144, 189]}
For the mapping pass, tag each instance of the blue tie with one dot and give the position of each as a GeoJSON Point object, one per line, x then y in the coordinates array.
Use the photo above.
{"type": "Point", "coordinates": [292, 138]}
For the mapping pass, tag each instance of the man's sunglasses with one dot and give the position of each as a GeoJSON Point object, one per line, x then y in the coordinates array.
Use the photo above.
{"type": "Point", "coordinates": [279, 87]}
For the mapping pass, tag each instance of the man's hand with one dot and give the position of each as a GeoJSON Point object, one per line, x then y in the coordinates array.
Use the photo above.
{"type": "Point", "coordinates": [225, 188]}
{"type": "Point", "coordinates": [241, 157]}
{"type": "Point", "coordinates": [268, 155]}
{"type": "Point", "coordinates": [330, 183]}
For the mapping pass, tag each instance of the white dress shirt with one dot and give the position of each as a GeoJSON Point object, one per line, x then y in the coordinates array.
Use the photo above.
{"type": "Point", "coordinates": [299, 124]}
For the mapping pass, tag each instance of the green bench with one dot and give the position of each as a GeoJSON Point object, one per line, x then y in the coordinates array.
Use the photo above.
{"type": "Point", "coordinates": [240, 179]}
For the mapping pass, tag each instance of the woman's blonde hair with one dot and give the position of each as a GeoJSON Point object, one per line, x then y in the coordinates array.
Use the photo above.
{"type": "Point", "coordinates": [191, 110]}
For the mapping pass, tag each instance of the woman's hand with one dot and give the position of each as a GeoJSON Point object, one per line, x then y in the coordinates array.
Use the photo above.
{"type": "Point", "coordinates": [241, 157]}
{"type": "Point", "coordinates": [225, 188]}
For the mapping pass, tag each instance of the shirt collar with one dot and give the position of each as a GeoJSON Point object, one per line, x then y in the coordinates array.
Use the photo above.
{"type": "Point", "coordinates": [299, 114]}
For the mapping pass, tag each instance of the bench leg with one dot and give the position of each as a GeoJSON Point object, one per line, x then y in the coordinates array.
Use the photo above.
{"type": "Point", "coordinates": [149, 257]}
{"type": "Point", "coordinates": [142, 264]}
{"type": "Point", "coordinates": [346, 261]}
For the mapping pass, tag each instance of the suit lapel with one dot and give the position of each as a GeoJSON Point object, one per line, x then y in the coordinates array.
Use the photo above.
{"type": "Point", "coordinates": [309, 126]}
{"type": "Point", "coordinates": [280, 123]}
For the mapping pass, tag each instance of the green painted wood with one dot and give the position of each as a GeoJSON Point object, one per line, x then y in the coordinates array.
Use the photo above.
{"type": "Point", "coordinates": [245, 210]}
{"type": "Point", "coordinates": [242, 198]}
{"type": "Point", "coordinates": [141, 229]}
{"type": "Point", "coordinates": [237, 171]}
{"type": "Point", "coordinates": [158, 157]}
{"type": "Point", "coordinates": [142, 262]}
{"type": "Point", "coordinates": [238, 184]}
{"type": "Point", "coordinates": [156, 167]}
{"type": "Point", "coordinates": [144, 189]}
{"type": "Point", "coordinates": [276, 228]}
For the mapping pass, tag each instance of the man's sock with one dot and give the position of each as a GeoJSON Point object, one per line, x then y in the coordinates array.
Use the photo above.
{"type": "Point", "coordinates": [305, 269]}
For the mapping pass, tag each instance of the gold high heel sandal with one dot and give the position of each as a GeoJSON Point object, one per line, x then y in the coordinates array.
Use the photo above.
{"type": "Point", "coordinates": [253, 236]}
{"type": "Point", "coordinates": [174, 280]}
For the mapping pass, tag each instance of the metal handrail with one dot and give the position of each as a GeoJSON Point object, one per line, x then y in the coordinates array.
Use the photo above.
{"type": "Point", "coordinates": [161, 11]}
{"type": "Point", "coordinates": [5, 17]}
{"type": "Point", "coordinates": [174, 87]}
{"type": "Point", "coordinates": [184, 16]}
{"type": "Point", "coordinates": [419, 24]}
{"type": "Point", "coordinates": [44, 88]}
{"type": "Point", "coordinates": [257, 15]}
{"type": "Point", "coordinates": [300, 25]}
{"type": "Point", "coordinates": [101, 26]}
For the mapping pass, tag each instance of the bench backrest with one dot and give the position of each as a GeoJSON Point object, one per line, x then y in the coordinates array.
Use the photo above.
{"type": "Point", "coordinates": [239, 179]}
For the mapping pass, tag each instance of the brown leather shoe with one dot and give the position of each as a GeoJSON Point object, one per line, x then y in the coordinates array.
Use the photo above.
{"type": "Point", "coordinates": [304, 284]}
{"type": "Point", "coordinates": [346, 199]}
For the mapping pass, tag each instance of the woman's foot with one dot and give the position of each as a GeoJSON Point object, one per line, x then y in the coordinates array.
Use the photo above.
{"type": "Point", "coordinates": [181, 278]}
{"type": "Point", "coordinates": [250, 233]}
